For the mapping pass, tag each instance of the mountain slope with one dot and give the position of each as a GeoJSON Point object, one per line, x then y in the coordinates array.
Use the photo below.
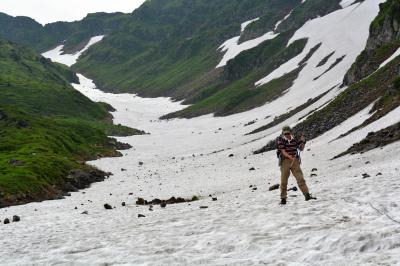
{"type": "Point", "coordinates": [373, 78]}
{"type": "Point", "coordinates": [74, 35]}
{"type": "Point", "coordinates": [46, 127]}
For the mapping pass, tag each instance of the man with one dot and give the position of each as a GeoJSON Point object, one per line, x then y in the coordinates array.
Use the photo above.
{"type": "Point", "coordinates": [288, 148]}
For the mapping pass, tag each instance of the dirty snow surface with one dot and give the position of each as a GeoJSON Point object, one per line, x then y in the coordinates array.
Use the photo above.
{"type": "Point", "coordinates": [355, 220]}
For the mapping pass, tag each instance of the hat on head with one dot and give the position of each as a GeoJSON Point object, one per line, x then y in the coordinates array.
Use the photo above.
{"type": "Point", "coordinates": [286, 129]}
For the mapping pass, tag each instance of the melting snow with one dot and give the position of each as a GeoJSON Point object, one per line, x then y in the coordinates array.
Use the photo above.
{"type": "Point", "coordinates": [57, 53]}
{"type": "Point", "coordinates": [349, 224]}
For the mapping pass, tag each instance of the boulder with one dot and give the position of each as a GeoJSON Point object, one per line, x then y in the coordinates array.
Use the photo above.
{"type": "Point", "coordinates": [141, 215]}
{"type": "Point", "coordinates": [15, 162]}
{"type": "Point", "coordinates": [107, 206]}
{"type": "Point", "coordinates": [6, 221]}
{"type": "Point", "coordinates": [274, 187]}
{"type": "Point", "coordinates": [141, 201]}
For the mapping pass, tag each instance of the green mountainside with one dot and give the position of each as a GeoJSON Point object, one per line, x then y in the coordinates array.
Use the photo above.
{"type": "Point", "coordinates": [170, 48]}
{"type": "Point", "coordinates": [26, 31]}
{"type": "Point", "coordinates": [47, 128]}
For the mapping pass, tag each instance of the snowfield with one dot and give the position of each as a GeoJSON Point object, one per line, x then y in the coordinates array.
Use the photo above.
{"type": "Point", "coordinates": [355, 220]}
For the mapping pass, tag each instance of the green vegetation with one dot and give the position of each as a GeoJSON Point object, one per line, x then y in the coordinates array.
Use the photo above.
{"type": "Point", "coordinates": [46, 127]}
{"type": "Point", "coordinates": [26, 31]}
{"type": "Point", "coordinates": [169, 48]}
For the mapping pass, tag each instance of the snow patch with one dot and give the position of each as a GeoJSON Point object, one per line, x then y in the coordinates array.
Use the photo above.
{"type": "Point", "coordinates": [57, 55]}
{"type": "Point", "coordinates": [393, 56]}
{"type": "Point", "coordinates": [346, 3]}
{"type": "Point", "coordinates": [345, 31]}
{"type": "Point", "coordinates": [245, 24]}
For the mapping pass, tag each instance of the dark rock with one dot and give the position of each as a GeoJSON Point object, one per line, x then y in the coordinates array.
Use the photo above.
{"type": "Point", "coordinates": [314, 170]}
{"type": "Point", "coordinates": [230, 155]}
{"type": "Point", "coordinates": [16, 218]}
{"type": "Point", "coordinates": [22, 124]}
{"type": "Point", "coordinates": [6, 221]}
{"type": "Point", "coordinates": [293, 188]}
{"type": "Point", "coordinates": [141, 216]}
{"type": "Point", "coordinates": [76, 208]}
{"type": "Point", "coordinates": [141, 201]}
{"type": "Point", "coordinates": [274, 187]}
{"type": "Point", "coordinates": [252, 169]}
{"type": "Point", "coordinates": [140, 163]}
{"type": "Point", "coordinates": [214, 199]}
{"type": "Point", "coordinates": [15, 162]}
{"type": "Point", "coordinates": [3, 116]}
{"type": "Point", "coordinates": [378, 174]}
{"type": "Point", "coordinates": [203, 207]}
{"type": "Point", "coordinates": [107, 206]}
{"type": "Point", "coordinates": [367, 162]}
{"type": "Point", "coordinates": [151, 208]}
{"type": "Point", "coordinates": [313, 175]}
{"type": "Point", "coordinates": [123, 204]}
{"type": "Point", "coordinates": [254, 188]}
{"type": "Point", "coordinates": [130, 194]}
{"type": "Point", "coordinates": [85, 212]}
{"type": "Point", "coordinates": [123, 169]}
{"type": "Point", "coordinates": [365, 175]}
{"type": "Point", "coordinates": [163, 204]}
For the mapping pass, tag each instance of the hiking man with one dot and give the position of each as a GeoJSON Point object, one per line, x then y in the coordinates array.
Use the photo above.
{"type": "Point", "coordinates": [288, 149]}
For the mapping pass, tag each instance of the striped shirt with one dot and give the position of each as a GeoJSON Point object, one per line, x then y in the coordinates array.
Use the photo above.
{"type": "Point", "coordinates": [290, 146]}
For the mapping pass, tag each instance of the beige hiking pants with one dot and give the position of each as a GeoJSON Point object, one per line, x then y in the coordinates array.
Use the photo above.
{"type": "Point", "coordinates": [286, 167]}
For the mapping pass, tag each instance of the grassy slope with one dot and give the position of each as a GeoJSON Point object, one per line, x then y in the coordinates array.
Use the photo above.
{"type": "Point", "coordinates": [26, 31]}
{"type": "Point", "coordinates": [44, 123]}
{"type": "Point", "coordinates": [167, 45]}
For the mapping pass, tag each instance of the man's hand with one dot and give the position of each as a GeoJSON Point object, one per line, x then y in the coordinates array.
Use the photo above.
{"type": "Point", "coordinates": [302, 137]}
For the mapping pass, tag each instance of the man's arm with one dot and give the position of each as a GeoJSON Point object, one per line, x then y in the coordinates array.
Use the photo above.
{"type": "Point", "coordinates": [302, 142]}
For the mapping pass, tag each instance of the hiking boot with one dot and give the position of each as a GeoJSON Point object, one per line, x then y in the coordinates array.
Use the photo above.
{"type": "Point", "coordinates": [283, 201]}
{"type": "Point", "coordinates": [308, 197]}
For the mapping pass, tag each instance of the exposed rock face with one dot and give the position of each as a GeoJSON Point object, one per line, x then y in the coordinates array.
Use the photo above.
{"type": "Point", "coordinates": [383, 41]}
{"type": "Point", "coordinates": [375, 139]}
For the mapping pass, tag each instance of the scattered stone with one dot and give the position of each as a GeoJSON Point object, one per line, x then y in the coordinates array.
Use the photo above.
{"type": "Point", "coordinates": [378, 174]}
{"type": "Point", "coordinates": [76, 208]}
{"type": "Point", "coordinates": [214, 199]}
{"type": "Point", "coordinates": [123, 204]}
{"type": "Point", "coordinates": [293, 188]}
{"type": "Point", "coordinates": [123, 169]}
{"type": "Point", "coordinates": [203, 207]}
{"type": "Point", "coordinates": [22, 124]}
{"type": "Point", "coordinates": [252, 169]}
{"type": "Point", "coordinates": [274, 187]}
{"type": "Point", "coordinates": [85, 212]}
{"type": "Point", "coordinates": [130, 194]}
{"type": "Point", "coordinates": [141, 201]}
{"type": "Point", "coordinates": [250, 186]}
{"type": "Point", "coordinates": [140, 163]}
{"type": "Point", "coordinates": [163, 205]}
{"type": "Point", "coordinates": [194, 198]}
{"type": "Point", "coordinates": [365, 175]}
{"type": "Point", "coordinates": [230, 155]}
{"type": "Point", "coordinates": [151, 208]}
{"type": "Point", "coordinates": [6, 221]}
{"type": "Point", "coordinates": [314, 170]}
{"type": "Point", "coordinates": [141, 215]}
{"type": "Point", "coordinates": [367, 162]}
{"type": "Point", "coordinates": [254, 188]}
{"type": "Point", "coordinates": [107, 206]}
{"type": "Point", "coordinates": [15, 162]}
{"type": "Point", "coordinates": [313, 175]}
{"type": "Point", "coordinates": [349, 166]}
